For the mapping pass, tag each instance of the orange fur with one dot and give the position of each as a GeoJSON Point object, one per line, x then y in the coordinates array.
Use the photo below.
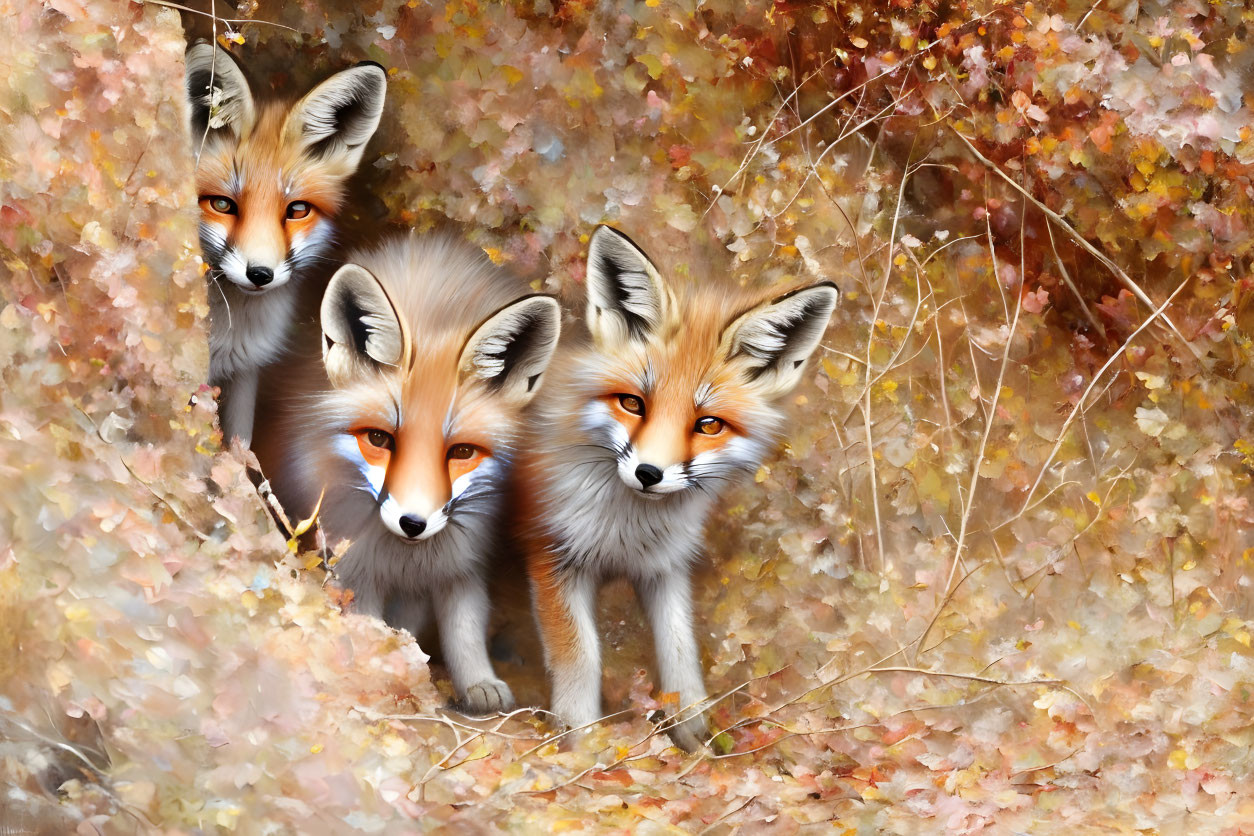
{"type": "Point", "coordinates": [264, 173]}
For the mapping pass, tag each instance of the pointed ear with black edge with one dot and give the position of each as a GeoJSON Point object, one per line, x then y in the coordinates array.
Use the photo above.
{"type": "Point", "coordinates": [511, 350]}
{"type": "Point", "coordinates": [361, 330]}
{"type": "Point", "coordinates": [336, 119]}
{"type": "Point", "coordinates": [218, 93]}
{"type": "Point", "coordinates": [774, 340]}
{"type": "Point", "coordinates": [626, 296]}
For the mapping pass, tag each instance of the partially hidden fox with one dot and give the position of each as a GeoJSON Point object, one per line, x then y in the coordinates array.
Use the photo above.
{"type": "Point", "coordinates": [638, 430]}
{"type": "Point", "coordinates": [398, 424]}
{"type": "Point", "coordinates": [270, 179]}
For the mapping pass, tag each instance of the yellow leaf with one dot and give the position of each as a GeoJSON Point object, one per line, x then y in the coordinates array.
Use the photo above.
{"type": "Point", "coordinates": [305, 525]}
{"type": "Point", "coordinates": [77, 612]}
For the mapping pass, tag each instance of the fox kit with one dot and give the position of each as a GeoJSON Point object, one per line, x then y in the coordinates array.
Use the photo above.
{"type": "Point", "coordinates": [404, 428]}
{"type": "Point", "coordinates": [637, 433]}
{"type": "Point", "coordinates": [270, 178]}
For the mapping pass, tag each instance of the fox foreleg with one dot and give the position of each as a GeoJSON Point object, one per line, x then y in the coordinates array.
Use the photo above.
{"type": "Point", "coordinates": [239, 402]}
{"type": "Point", "coordinates": [462, 613]}
{"type": "Point", "coordinates": [409, 612]}
{"type": "Point", "coordinates": [667, 601]}
{"type": "Point", "coordinates": [565, 607]}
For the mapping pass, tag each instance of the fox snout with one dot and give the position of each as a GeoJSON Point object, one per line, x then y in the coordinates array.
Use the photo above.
{"type": "Point", "coordinates": [415, 519]}
{"type": "Point", "coordinates": [252, 271]}
{"type": "Point", "coordinates": [648, 475]}
{"type": "Point", "coordinates": [652, 474]}
{"type": "Point", "coordinates": [657, 460]}
{"type": "Point", "coordinates": [258, 275]}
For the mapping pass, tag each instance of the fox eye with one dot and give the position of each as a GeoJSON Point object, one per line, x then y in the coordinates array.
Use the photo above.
{"type": "Point", "coordinates": [709, 425]}
{"type": "Point", "coordinates": [380, 439]}
{"type": "Point", "coordinates": [298, 209]}
{"type": "Point", "coordinates": [221, 205]}
{"type": "Point", "coordinates": [462, 451]}
{"type": "Point", "coordinates": [632, 404]}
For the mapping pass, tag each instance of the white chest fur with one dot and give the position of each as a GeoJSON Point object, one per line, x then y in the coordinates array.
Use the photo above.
{"type": "Point", "coordinates": [247, 331]}
{"type": "Point", "coordinates": [605, 527]}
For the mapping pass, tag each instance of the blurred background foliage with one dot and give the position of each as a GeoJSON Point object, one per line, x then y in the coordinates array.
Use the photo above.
{"type": "Point", "coordinates": [996, 579]}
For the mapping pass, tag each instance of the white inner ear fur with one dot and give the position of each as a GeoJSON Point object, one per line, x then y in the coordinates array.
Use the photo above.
{"type": "Point", "coordinates": [345, 108]}
{"type": "Point", "coordinates": [626, 296]}
{"type": "Point", "coordinates": [217, 92]}
{"type": "Point", "coordinates": [360, 325]}
{"type": "Point", "coordinates": [774, 340]}
{"type": "Point", "coordinates": [512, 349]}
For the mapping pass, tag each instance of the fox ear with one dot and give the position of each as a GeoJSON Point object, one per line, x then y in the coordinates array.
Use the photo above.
{"type": "Point", "coordinates": [361, 330]}
{"type": "Point", "coordinates": [512, 349]}
{"type": "Point", "coordinates": [626, 297]}
{"type": "Point", "coordinates": [775, 339]}
{"type": "Point", "coordinates": [217, 91]}
{"type": "Point", "coordinates": [336, 119]}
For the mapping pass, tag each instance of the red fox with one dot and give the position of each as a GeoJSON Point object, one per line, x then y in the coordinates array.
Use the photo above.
{"type": "Point", "coordinates": [405, 426]}
{"type": "Point", "coordinates": [270, 178]}
{"type": "Point", "coordinates": [637, 431]}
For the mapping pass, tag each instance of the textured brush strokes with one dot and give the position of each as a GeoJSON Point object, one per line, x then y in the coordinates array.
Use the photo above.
{"type": "Point", "coordinates": [1083, 605]}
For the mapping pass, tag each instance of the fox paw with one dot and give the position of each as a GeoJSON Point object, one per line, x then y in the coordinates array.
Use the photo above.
{"type": "Point", "coordinates": [690, 735]}
{"type": "Point", "coordinates": [487, 697]}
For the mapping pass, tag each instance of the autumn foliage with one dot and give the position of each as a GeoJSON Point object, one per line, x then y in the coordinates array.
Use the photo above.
{"type": "Point", "coordinates": [996, 580]}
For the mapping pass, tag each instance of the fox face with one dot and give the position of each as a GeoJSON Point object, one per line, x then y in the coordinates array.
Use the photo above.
{"type": "Point", "coordinates": [679, 389]}
{"type": "Point", "coordinates": [270, 177]}
{"type": "Point", "coordinates": [428, 424]}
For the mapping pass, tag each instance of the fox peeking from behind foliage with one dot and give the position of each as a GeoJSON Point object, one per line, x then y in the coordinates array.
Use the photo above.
{"type": "Point", "coordinates": [402, 430]}
{"type": "Point", "coordinates": [270, 178]}
{"type": "Point", "coordinates": [636, 434]}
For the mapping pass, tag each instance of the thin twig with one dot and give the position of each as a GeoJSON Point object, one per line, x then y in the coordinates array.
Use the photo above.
{"type": "Point", "coordinates": [1062, 434]}
{"type": "Point", "coordinates": [1123, 277]}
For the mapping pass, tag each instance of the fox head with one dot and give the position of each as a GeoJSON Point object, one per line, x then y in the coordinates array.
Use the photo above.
{"type": "Point", "coordinates": [270, 177]}
{"type": "Point", "coordinates": [679, 388]}
{"type": "Point", "coordinates": [428, 419]}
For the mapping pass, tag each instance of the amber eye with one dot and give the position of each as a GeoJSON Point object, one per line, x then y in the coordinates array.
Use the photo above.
{"type": "Point", "coordinates": [298, 209]}
{"type": "Point", "coordinates": [462, 451]}
{"type": "Point", "coordinates": [221, 205]}
{"type": "Point", "coordinates": [380, 439]}
{"type": "Point", "coordinates": [709, 425]}
{"type": "Point", "coordinates": [632, 404]}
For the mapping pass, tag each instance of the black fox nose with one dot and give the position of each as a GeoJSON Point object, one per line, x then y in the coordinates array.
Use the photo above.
{"type": "Point", "coordinates": [413, 526]}
{"type": "Point", "coordinates": [260, 276]}
{"type": "Point", "coordinates": [648, 475]}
